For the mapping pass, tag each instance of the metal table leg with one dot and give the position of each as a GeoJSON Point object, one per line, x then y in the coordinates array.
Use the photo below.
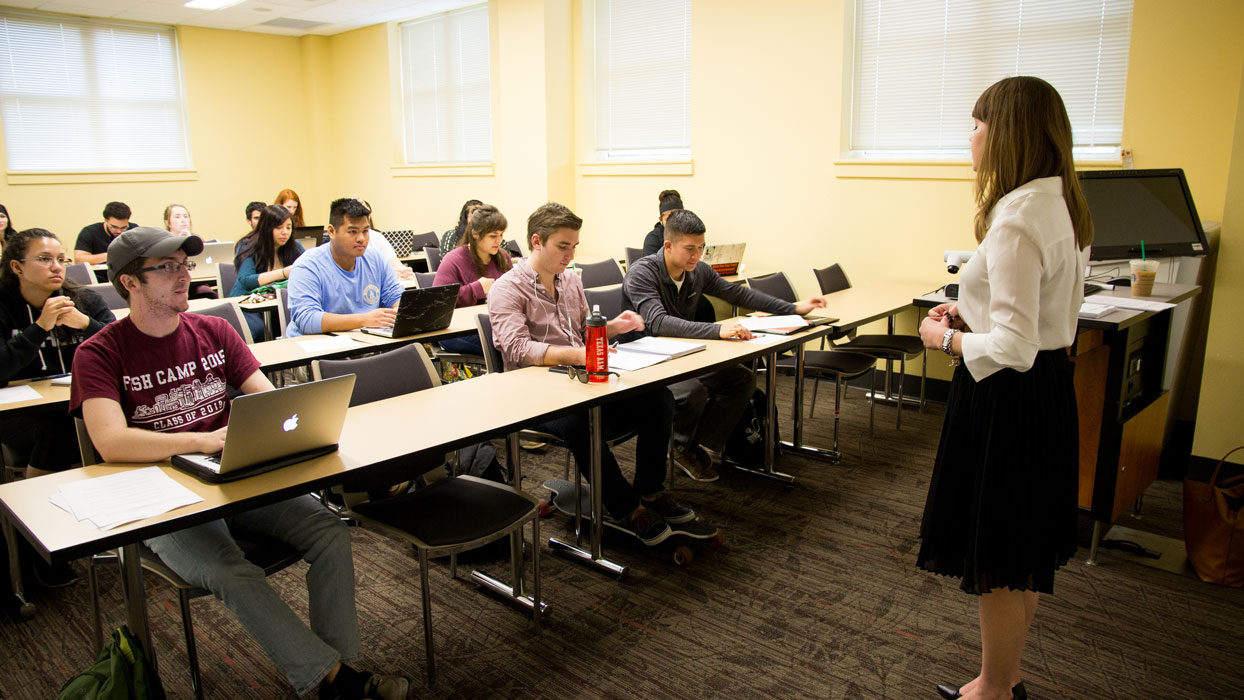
{"type": "Point", "coordinates": [515, 592]}
{"type": "Point", "coordinates": [136, 599]}
{"type": "Point", "coordinates": [25, 608]}
{"type": "Point", "coordinates": [796, 443]}
{"type": "Point", "coordinates": [594, 556]}
{"type": "Point", "coordinates": [769, 471]}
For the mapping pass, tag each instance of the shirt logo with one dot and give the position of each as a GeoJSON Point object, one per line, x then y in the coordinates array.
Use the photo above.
{"type": "Point", "coordinates": [371, 294]}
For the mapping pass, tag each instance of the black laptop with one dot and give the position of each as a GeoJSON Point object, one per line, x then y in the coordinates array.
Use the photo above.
{"type": "Point", "coordinates": [421, 311]}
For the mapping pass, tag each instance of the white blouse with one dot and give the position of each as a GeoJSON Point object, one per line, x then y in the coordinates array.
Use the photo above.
{"type": "Point", "coordinates": [1022, 290]}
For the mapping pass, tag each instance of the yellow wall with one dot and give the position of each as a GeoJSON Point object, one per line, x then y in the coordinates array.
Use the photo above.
{"type": "Point", "coordinates": [1218, 425]}
{"type": "Point", "coordinates": [249, 138]}
{"type": "Point", "coordinates": [767, 104]}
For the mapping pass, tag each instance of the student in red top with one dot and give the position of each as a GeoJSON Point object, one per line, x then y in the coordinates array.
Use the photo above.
{"type": "Point", "coordinates": [154, 385]}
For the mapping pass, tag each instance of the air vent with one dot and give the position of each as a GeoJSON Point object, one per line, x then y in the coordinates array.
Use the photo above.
{"type": "Point", "coordinates": [291, 23]}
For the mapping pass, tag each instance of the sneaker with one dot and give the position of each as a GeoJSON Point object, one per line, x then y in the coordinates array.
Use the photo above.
{"type": "Point", "coordinates": [696, 463]}
{"type": "Point", "coordinates": [384, 687]}
{"type": "Point", "coordinates": [648, 526]}
{"type": "Point", "coordinates": [669, 508]}
{"type": "Point", "coordinates": [373, 685]}
{"type": "Point", "coordinates": [532, 444]}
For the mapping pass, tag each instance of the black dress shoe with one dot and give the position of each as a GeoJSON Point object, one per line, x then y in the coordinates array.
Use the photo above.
{"type": "Point", "coordinates": [1019, 692]}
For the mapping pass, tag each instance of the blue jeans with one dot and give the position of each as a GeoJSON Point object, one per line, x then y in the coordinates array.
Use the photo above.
{"type": "Point", "coordinates": [208, 557]}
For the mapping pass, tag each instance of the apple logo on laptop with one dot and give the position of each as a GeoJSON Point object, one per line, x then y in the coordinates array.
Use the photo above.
{"type": "Point", "coordinates": [290, 423]}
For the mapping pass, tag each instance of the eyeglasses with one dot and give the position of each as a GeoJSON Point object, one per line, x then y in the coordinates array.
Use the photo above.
{"type": "Point", "coordinates": [171, 267]}
{"type": "Point", "coordinates": [47, 260]}
{"type": "Point", "coordinates": [581, 373]}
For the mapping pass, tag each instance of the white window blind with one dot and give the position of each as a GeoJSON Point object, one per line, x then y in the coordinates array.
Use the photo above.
{"type": "Point", "coordinates": [643, 78]}
{"type": "Point", "coordinates": [80, 95]}
{"type": "Point", "coordinates": [919, 66]}
{"type": "Point", "coordinates": [446, 88]}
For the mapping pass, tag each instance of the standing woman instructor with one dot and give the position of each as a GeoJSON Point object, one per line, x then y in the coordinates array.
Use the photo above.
{"type": "Point", "coordinates": [1001, 511]}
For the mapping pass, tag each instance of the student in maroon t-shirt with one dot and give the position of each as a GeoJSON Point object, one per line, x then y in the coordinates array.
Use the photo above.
{"type": "Point", "coordinates": [154, 385]}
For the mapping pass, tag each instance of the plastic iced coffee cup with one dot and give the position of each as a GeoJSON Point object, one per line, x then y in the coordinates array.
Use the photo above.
{"type": "Point", "coordinates": [1143, 274]}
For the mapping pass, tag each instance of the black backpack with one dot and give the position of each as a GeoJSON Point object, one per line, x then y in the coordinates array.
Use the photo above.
{"type": "Point", "coordinates": [745, 445]}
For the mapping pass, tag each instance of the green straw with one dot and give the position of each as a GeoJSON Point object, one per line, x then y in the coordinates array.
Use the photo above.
{"type": "Point", "coordinates": [1142, 249]}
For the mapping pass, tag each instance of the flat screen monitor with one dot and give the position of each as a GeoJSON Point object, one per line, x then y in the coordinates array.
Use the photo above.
{"type": "Point", "coordinates": [1130, 206]}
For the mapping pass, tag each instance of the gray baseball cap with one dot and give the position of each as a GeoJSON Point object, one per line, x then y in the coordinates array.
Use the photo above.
{"type": "Point", "coordinates": [147, 242]}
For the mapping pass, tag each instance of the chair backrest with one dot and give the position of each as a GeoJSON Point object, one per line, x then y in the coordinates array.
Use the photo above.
{"type": "Point", "coordinates": [423, 240]}
{"type": "Point", "coordinates": [86, 448]}
{"type": "Point", "coordinates": [109, 294]}
{"type": "Point", "coordinates": [515, 250]}
{"type": "Point", "coordinates": [608, 298]}
{"type": "Point", "coordinates": [425, 279]}
{"type": "Point", "coordinates": [433, 254]}
{"type": "Point", "coordinates": [80, 274]}
{"type": "Point", "coordinates": [775, 285]}
{"type": "Point", "coordinates": [383, 376]}
{"type": "Point", "coordinates": [231, 313]}
{"type": "Point", "coordinates": [633, 254]}
{"type": "Point", "coordinates": [492, 356]}
{"type": "Point", "coordinates": [832, 279]}
{"type": "Point", "coordinates": [282, 308]}
{"type": "Point", "coordinates": [600, 274]}
{"type": "Point", "coordinates": [228, 276]}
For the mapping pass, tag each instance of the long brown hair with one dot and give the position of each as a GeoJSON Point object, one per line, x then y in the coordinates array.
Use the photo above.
{"type": "Point", "coordinates": [483, 221]}
{"type": "Point", "coordinates": [1028, 137]}
{"type": "Point", "coordinates": [290, 194]}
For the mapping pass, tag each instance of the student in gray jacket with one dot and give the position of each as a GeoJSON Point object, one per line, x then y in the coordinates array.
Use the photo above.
{"type": "Point", "coordinates": [665, 289]}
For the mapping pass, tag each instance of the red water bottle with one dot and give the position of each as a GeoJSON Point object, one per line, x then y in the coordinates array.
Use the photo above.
{"type": "Point", "coordinates": [597, 346]}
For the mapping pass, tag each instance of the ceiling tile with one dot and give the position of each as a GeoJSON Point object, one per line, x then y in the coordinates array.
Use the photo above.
{"type": "Point", "coordinates": [342, 11]}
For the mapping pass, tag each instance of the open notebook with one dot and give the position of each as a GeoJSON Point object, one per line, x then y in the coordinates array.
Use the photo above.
{"type": "Point", "coordinates": [649, 351]}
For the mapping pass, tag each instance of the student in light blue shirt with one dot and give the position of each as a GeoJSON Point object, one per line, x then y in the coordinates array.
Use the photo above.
{"type": "Point", "coordinates": [344, 285]}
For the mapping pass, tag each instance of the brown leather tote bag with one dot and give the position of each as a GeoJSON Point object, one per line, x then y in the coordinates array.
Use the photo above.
{"type": "Point", "coordinates": [1214, 527]}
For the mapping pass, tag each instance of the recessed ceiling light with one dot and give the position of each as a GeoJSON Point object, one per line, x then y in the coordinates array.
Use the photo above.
{"type": "Point", "coordinates": [211, 4]}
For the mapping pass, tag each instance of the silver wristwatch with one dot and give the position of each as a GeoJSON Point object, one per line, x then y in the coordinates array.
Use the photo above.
{"type": "Point", "coordinates": [946, 341]}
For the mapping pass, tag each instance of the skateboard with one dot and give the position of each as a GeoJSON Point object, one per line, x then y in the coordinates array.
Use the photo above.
{"type": "Point", "coordinates": [686, 539]}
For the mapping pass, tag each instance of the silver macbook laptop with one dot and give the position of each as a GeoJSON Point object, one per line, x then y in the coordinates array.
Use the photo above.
{"type": "Point", "coordinates": [215, 253]}
{"type": "Point", "coordinates": [725, 259]}
{"type": "Point", "coordinates": [420, 311]}
{"type": "Point", "coordinates": [273, 429]}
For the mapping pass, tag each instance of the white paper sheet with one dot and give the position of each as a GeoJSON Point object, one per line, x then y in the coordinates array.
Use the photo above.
{"type": "Point", "coordinates": [661, 346]}
{"type": "Point", "coordinates": [624, 360]}
{"type": "Point", "coordinates": [104, 502]}
{"type": "Point", "coordinates": [1131, 302]}
{"type": "Point", "coordinates": [760, 323]}
{"type": "Point", "coordinates": [765, 339]}
{"type": "Point", "coordinates": [21, 392]}
{"type": "Point", "coordinates": [335, 342]}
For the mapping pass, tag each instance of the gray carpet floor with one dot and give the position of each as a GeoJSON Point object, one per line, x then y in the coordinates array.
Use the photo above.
{"type": "Point", "coordinates": [817, 596]}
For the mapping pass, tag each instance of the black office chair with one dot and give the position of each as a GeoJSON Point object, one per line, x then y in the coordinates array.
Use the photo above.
{"type": "Point", "coordinates": [233, 314]}
{"type": "Point", "coordinates": [835, 364]}
{"type": "Point", "coordinates": [228, 275]}
{"type": "Point", "coordinates": [423, 240]}
{"type": "Point", "coordinates": [450, 515]}
{"type": "Point", "coordinates": [633, 254]}
{"type": "Point", "coordinates": [600, 274]}
{"type": "Point", "coordinates": [265, 552]}
{"type": "Point", "coordinates": [282, 308]}
{"type": "Point", "coordinates": [109, 294]}
{"type": "Point", "coordinates": [433, 254]}
{"type": "Point", "coordinates": [608, 298]}
{"type": "Point", "coordinates": [423, 280]}
{"type": "Point", "coordinates": [884, 346]}
{"type": "Point", "coordinates": [515, 250]}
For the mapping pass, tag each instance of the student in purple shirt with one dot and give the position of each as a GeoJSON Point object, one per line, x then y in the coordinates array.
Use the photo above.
{"type": "Point", "coordinates": [538, 313]}
{"type": "Point", "coordinates": [475, 264]}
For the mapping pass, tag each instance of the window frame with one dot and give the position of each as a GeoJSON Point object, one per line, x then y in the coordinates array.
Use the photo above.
{"type": "Point", "coordinates": [120, 174]}
{"type": "Point", "coordinates": [955, 165]}
{"type": "Point", "coordinates": [403, 166]}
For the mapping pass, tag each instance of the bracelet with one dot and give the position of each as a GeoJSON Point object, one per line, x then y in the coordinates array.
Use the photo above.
{"type": "Point", "coordinates": [947, 340]}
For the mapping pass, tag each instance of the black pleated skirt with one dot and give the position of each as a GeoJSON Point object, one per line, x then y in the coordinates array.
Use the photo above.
{"type": "Point", "coordinates": [1001, 511]}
